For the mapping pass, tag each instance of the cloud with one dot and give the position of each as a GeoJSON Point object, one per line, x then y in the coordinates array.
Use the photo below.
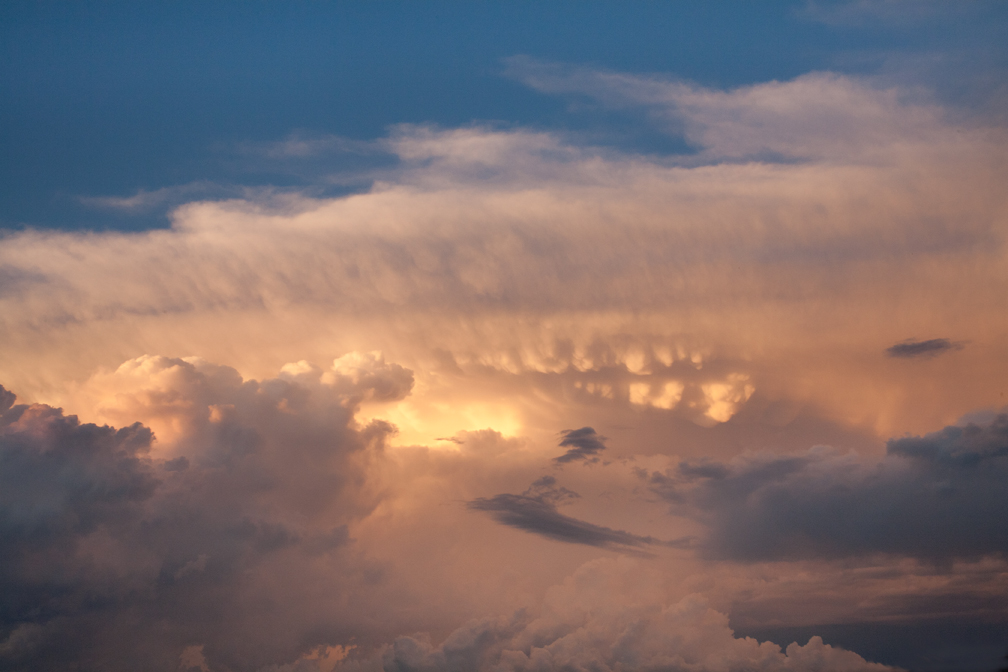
{"type": "Point", "coordinates": [493, 285]}
{"type": "Point", "coordinates": [814, 204]}
{"type": "Point", "coordinates": [304, 146]}
{"type": "Point", "coordinates": [535, 511]}
{"type": "Point", "coordinates": [860, 13]}
{"type": "Point", "coordinates": [939, 497]}
{"type": "Point", "coordinates": [146, 201]}
{"type": "Point", "coordinates": [929, 348]}
{"type": "Point", "coordinates": [122, 550]}
{"type": "Point", "coordinates": [585, 444]}
{"type": "Point", "coordinates": [604, 617]}
{"type": "Point", "coordinates": [818, 116]}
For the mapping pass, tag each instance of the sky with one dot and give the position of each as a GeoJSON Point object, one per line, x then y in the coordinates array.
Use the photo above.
{"type": "Point", "coordinates": [583, 336]}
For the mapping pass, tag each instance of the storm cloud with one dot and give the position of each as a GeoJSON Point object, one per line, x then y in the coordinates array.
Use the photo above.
{"type": "Point", "coordinates": [122, 552]}
{"type": "Point", "coordinates": [697, 308]}
{"type": "Point", "coordinates": [939, 497]}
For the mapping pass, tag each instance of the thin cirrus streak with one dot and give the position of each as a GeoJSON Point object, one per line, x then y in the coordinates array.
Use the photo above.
{"type": "Point", "coordinates": [535, 511]}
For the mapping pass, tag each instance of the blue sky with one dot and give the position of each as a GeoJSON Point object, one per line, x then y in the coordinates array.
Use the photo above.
{"type": "Point", "coordinates": [107, 99]}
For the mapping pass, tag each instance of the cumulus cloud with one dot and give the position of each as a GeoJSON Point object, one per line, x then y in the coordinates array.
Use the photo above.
{"type": "Point", "coordinates": [126, 551]}
{"type": "Point", "coordinates": [607, 616]}
{"type": "Point", "coordinates": [938, 497]}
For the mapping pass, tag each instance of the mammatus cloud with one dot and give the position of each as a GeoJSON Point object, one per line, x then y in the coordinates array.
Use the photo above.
{"type": "Point", "coordinates": [583, 444]}
{"type": "Point", "coordinates": [939, 497]}
{"type": "Point", "coordinates": [810, 205]}
{"type": "Point", "coordinates": [929, 348]}
{"type": "Point", "coordinates": [535, 510]}
{"type": "Point", "coordinates": [122, 553]}
{"type": "Point", "coordinates": [605, 618]}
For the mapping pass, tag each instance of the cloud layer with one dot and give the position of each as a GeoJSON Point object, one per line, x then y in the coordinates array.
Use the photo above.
{"type": "Point", "coordinates": [809, 206]}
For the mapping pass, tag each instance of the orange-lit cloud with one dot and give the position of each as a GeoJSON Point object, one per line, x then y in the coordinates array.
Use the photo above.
{"type": "Point", "coordinates": [342, 399]}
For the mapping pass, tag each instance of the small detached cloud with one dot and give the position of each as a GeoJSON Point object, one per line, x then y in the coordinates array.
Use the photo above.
{"type": "Point", "coordinates": [535, 510]}
{"type": "Point", "coordinates": [929, 348]}
{"type": "Point", "coordinates": [584, 444]}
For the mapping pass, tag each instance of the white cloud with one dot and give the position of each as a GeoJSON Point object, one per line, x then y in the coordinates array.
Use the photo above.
{"type": "Point", "coordinates": [607, 616]}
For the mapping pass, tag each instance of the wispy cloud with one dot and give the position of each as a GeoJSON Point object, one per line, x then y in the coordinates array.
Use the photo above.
{"type": "Point", "coordinates": [145, 201]}
{"type": "Point", "coordinates": [535, 511]}
{"type": "Point", "coordinates": [851, 13]}
{"type": "Point", "coordinates": [816, 117]}
{"type": "Point", "coordinates": [305, 146]}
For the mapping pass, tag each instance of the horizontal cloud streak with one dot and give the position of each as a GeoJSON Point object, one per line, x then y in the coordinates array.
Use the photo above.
{"type": "Point", "coordinates": [928, 348]}
{"type": "Point", "coordinates": [535, 511]}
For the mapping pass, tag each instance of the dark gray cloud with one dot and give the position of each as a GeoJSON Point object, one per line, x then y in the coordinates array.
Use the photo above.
{"type": "Point", "coordinates": [930, 348]}
{"type": "Point", "coordinates": [535, 511]}
{"type": "Point", "coordinates": [938, 497]}
{"type": "Point", "coordinates": [114, 559]}
{"type": "Point", "coordinates": [583, 444]}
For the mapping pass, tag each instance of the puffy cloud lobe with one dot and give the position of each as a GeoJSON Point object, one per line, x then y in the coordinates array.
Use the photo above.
{"type": "Point", "coordinates": [61, 482]}
{"type": "Point", "coordinates": [601, 619]}
{"type": "Point", "coordinates": [938, 497]}
{"type": "Point", "coordinates": [584, 444]}
{"type": "Point", "coordinates": [535, 511]}
{"type": "Point", "coordinates": [121, 552]}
